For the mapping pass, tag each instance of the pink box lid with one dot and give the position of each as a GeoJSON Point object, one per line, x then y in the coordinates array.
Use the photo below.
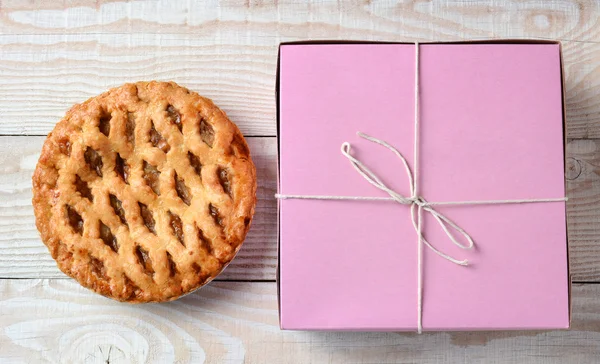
{"type": "Point", "coordinates": [491, 129]}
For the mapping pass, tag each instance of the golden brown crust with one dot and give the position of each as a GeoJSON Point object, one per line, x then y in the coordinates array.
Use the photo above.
{"type": "Point", "coordinates": [144, 193]}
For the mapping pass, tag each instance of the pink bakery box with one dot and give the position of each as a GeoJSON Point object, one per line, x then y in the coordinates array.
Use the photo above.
{"type": "Point", "coordinates": [490, 128]}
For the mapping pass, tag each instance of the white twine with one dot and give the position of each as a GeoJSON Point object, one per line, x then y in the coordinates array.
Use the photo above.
{"type": "Point", "coordinates": [417, 203]}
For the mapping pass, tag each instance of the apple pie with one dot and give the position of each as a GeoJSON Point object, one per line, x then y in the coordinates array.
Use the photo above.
{"type": "Point", "coordinates": [145, 192]}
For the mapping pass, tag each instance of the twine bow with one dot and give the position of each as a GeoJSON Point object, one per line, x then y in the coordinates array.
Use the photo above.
{"type": "Point", "coordinates": [416, 202]}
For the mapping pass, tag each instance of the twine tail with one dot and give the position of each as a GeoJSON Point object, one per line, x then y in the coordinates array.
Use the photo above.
{"type": "Point", "coordinates": [420, 270]}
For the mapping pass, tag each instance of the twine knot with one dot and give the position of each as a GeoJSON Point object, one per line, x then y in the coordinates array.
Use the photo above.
{"type": "Point", "coordinates": [419, 201]}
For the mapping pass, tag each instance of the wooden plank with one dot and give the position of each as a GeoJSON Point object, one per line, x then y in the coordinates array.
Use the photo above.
{"type": "Point", "coordinates": [55, 54]}
{"type": "Point", "coordinates": [565, 19]}
{"type": "Point", "coordinates": [235, 322]}
{"type": "Point", "coordinates": [23, 255]}
{"type": "Point", "coordinates": [583, 208]}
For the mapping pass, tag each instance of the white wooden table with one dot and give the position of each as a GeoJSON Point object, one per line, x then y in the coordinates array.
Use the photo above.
{"type": "Point", "coordinates": [54, 54]}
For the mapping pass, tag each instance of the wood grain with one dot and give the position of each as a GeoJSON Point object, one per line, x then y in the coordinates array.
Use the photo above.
{"type": "Point", "coordinates": [233, 322]}
{"type": "Point", "coordinates": [23, 255]}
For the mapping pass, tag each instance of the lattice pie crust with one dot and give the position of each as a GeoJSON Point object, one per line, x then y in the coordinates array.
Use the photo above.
{"type": "Point", "coordinates": [145, 192]}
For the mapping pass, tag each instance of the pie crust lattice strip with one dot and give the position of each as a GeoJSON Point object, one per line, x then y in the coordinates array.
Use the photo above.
{"type": "Point", "coordinates": [145, 192]}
